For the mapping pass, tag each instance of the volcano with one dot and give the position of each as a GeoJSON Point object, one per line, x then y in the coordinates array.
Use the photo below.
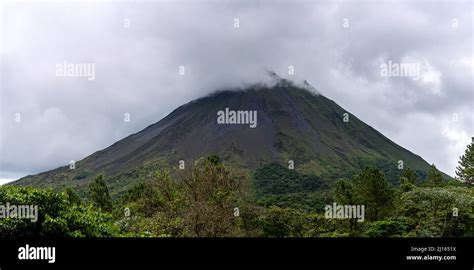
{"type": "Point", "coordinates": [294, 124]}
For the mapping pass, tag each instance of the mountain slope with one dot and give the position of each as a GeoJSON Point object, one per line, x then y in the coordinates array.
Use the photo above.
{"type": "Point", "coordinates": [293, 124]}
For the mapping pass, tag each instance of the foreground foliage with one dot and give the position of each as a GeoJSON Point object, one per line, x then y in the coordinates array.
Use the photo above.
{"type": "Point", "coordinates": [59, 214]}
{"type": "Point", "coordinates": [212, 200]}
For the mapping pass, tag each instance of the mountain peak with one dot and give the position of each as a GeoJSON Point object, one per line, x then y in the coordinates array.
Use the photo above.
{"type": "Point", "coordinates": [294, 123]}
{"type": "Point", "coordinates": [308, 86]}
{"type": "Point", "coordinates": [277, 80]}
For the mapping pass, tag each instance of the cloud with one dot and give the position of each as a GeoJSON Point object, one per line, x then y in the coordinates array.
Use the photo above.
{"type": "Point", "coordinates": [139, 47]}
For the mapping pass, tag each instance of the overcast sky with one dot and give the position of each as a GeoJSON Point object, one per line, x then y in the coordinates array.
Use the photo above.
{"type": "Point", "coordinates": [137, 48]}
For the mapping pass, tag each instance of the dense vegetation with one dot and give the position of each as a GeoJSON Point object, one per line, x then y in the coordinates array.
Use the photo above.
{"type": "Point", "coordinates": [212, 200]}
{"type": "Point", "coordinates": [276, 185]}
{"type": "Point", "coordinates": [59, 214]}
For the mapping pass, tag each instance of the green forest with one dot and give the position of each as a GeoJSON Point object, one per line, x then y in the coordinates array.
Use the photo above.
{"type": "Point", "coordinates": [212, 199]}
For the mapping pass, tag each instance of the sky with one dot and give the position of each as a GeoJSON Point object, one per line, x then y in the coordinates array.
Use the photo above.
{"type": "Point", "coordinates": [150, 57]}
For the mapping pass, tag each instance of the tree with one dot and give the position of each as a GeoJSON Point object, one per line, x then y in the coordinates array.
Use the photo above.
{"type": "Point", "coordinates": [465, 170]}
{"type": "Point", "coordinates": [434, 178]}
{"type": "Point", "coordinates": [204, 201]}
{"type": "Point", "coordinates": [344, 192]}
{"type": "Point", "coordinates": [55, 216]}
{"type": "Point", "coordinates": [373, 191]}
{"type": "Point", "coordinates": [408, 180]}
{"type": "Point", "coordinates": [214, 159]}
{"type": "Point", "coordinates": [99, 194]}
{"type": "Point", "coordinates": [439, 211]}
{"type": "Point", "coordinates": [385, 228]}
{"type": "Point", "coordinates": [210, 190]}
{"type": "Point", "coordinates": [410, 176]}
{"type": "Point", "coordinates": [73, 197]}
{"type": "Point", "coordinates": [282, 222]}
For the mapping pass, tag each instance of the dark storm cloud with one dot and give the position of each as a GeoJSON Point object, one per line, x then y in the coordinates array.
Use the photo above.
{"type": "Point", "coordinates": [138, 47]}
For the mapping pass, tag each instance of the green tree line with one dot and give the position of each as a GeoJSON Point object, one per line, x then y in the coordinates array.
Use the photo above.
{"type": "Point", "coordinates": [213, 200]}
